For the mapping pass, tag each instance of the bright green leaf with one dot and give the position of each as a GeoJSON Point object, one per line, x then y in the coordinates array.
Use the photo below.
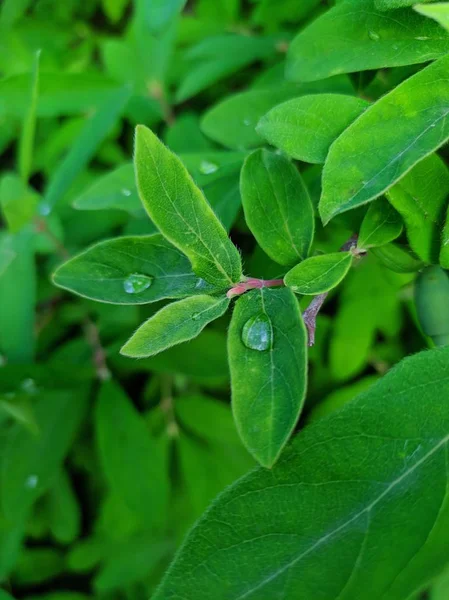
{"type": "Point", "coordinates": [277, 207]}
{"type": "Point", "coordinates": [421, 199]}
{"type": "Point", "coordinates": [26, 141]}
{"type": "Point", "coordinates": [393, 4]}
{"type": "Point", "coordinates": [348, 503]}
{"type": "Point", "coordinates": [319, 274]}
{"type": "Point", "coordinates": [354, 36]}
{"type": "Point", "coordinates": [159, 13]}
{"type": "Point", "coordinates": [130, 270]}
{"type": "Point", "coordinates": [305, 127]}
{"type": "Point", "coordinates": [182, 214]}
{"type": "Point", "coordinates": [439, 12]}
{"type": "Point", "coordinates": [232, 122]}
{"type": "Point", "coordinates": [268, 360]}
{"type": "Point", "coordinates": [175, 323]}
{"type": "Point", "coordinates": [381, 225]}
{"type": "Point", "coordinates": [17, 201]}
{"type": "Point", "coordinates": [389, 138]}
{"type": "Point", "coordinates": [134, 463]}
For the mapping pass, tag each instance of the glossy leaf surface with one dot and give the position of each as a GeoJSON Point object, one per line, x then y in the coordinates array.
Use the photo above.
{"type": "Point", "coordinates": [319, 274]}
{"type": "Point", "coordinates": [381, 225]}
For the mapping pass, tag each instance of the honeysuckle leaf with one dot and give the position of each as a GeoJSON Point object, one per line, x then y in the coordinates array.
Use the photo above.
{"type": "Point", "coordinates": [173, 324]}
{"type": "Point", "coordinates": [181, 213]}
{"type": "Point", "coordinates": [131, 270]}
{"type": "Point", "coordinates": [421, 199]}
{"type": "Point", "coordinates": [319, 274]}
{"type": "Point", "coordinates": [439, 12]}
{"type": "Point", "coordinates": [305, 127]}
{"type": "Point", "coordinates": [232, 122]}
{"type": "Point", "coordinates": [355, 36]}
{"type": "Point", "coordinates": [381, 224]}
{"type": "Point", "coordinates": [267, 347]}
{"type": "Point", "coordinates": [277, 206]}
{"type": "Point", "coordinates": [393, 4]}
{"type": "Point", "coordinates": [398, 258]}
{"type": "Point", "coordinates": [346, 513]}
{"type": "Point", "coordinates": [386, 141]}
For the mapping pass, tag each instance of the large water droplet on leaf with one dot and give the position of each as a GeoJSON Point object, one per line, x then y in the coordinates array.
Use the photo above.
{"type": "Point", "coordinates": [207, 168]}
{"type": "Point", "coordinates": [137, 283]}
{"type": "Point", "coordinates": [257, 333]}
{"type": "Point", "coordinates": [31, 482]}
{"type": "Point", "coordinates": [374, 36]}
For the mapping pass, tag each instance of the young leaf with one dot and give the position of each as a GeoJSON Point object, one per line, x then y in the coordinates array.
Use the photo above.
{"type": "Point", "coordinates": [267, 346]}
{"type": "Point", "coordinates": [381, 225]}
{"type": "Point", "coordinates": [232, 122]}
{"type": "Point", "coordinates": [319, 274]}
{"type": "Point", "coordinates": [17, 201]}
{"type": "Point", "coordinates": [439, 12]}
{"type": "Point", "coordinates": [134, 463]}
{"type": "Point", "coordinates": [130, 270]}
{"type": "Point", "coordinates": [277, 207]}
{"type": "Point", "coordinates": [387, 140]}
{"type": "Point", "coordinates": [367, 39]}
{"type": "Point", "coordinates": [174, 324]}
{"type": "Point", "coordinates": [30, 461]}
{"type": "Point", "coordinates": [421, 199]}
{"type": "Point", "coordinates": [317, 524]}
{"type": "Point", "coordinates": [26, 141]}
{"type": "Point", "coordinates": [93, 133]}
{"type": "Point", "coordinates": [305, 127]}
{"type": "Point", "coordinates": [182, 214]}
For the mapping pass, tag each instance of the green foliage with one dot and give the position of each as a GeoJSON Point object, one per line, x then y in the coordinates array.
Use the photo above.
{"type": "Point", "coordinates": [220, 222]}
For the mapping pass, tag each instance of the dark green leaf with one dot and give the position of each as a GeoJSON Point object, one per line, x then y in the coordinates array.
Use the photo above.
{"type": "Point", "coordinates": [354, 36]}
{"type": "Point", "coordinates": [175, 323]}
{"type": "Point", "coordinates": [398, 258]}
{"type": "Point", "coordinates": [381, 225]}
{"type": "Point", "coordinates": [26, 141]}
{"type": "Point", "coordinates": [277, 207]}
{"type": "Point", "coordinates": [319, 274]}
{"type": "Point", "coordinates": [181, 212]}
{"type": "Point", "coordinates": [268, 362]}
{"type": "Point", "coordinates": [159, 13]}
{"type": "Point", "coordinates": [384, 143]}
{"type": "Point", "coordinates": [349, 502]}
{"type": "Point", "coordinates": [305, 127]}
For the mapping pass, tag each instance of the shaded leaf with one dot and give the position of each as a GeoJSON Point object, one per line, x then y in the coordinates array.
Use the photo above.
{"type": "Point", "coordinates": [277, 207]}
{"type": "Point", "coordinates": [268, 362]}
{"type": "Point", "coordinates": [380, 225]}
{"type": "Point", "coordinates": [398, 258]}
{"type": "Point", "coordinates": [319, 274]}
{"type": "Point", "coordinates": [18, 202]}
{"type": "Point", "coordinates": [175, 323]}
{"type": "Point", "coordinates": [26, 141]}
{"type": "Point", "coordinates": [159, 13]}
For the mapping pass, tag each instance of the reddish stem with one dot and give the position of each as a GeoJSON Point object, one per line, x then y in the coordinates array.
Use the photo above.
{"type": "Point", "coordinates": [253, 284]}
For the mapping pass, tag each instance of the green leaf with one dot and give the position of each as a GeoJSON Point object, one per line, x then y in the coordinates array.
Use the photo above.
{"type": "Point", "coordinates": [181, 213]}
{"type": "Point", "coordinates": [26, 141]}
{"type": "Point", "coordinates": [277, 207]}
{"type": "Point", "coordinates": [431, 300]}
{"type": "Point", "coordinates": [381, 225]}
{"type": "Point", "coordinates": [267, 348]}
{"type": "Point", "coordinates": [439, 12]}
{"type": "Point", "coordinates": [115, 190]}
{"type": "Point", "coordinates": [159, 13]}
{"type": "Point", "coordinates": [393, 4]}
{"type": "Point", "coordinates": [346, 513]}
{"type": "Point", "coordinates": [319, 274]}
{"type": "Point", "coordinates": [93, 133]}
{"type": "Point", "coordinates": [175, 323]}
{"type": "Point", "coordinates": [63, 510]}
{"type": "Point", "coordinates": [388, 139]}
{"type": "Point", "coordinates": [30, 461]}
{"type": "Point", "coordinates": [305, 127]}
{"type": "Point", "coordinates": [59, 93]}
{"type": "Point", "coordinates": [444, 252]}
{"type": "Point", "coordinates": [367, 39]}
{"type": "Point", "coordinates": [18, 202]}
{"type": "Point", "coordinates": [114, 9]}
{"type": "Point", "coordinates": [17, 298]}
{"type": "Point", "coordinates": [124, 440]}
{"type": "Point", "coordinates": [232, 122]}
{"type": "Point", "coordinates": [6, 255]}
{"type": "Point", "coordinates": [440, 589]}
{"type": "Point", "coordinates": [421, 199]}
{"type": "Point", "coordinates": [38, 565]}
{"type": "Point", "coordinates": [398, 258]}
{"type": "Point", "coordinates": [130, 270]}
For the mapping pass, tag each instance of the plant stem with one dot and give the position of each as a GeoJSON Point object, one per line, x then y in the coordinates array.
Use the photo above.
{"type": "Point", "coordinates": [252, 283]}
{"type": "Point", "coordinates": [156, 91]}
{"type": "Point", "coordinates": [167, 405]}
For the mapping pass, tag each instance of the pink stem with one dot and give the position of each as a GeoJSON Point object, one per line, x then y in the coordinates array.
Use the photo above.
{"type": "Point", "coordinates": [253, 284]}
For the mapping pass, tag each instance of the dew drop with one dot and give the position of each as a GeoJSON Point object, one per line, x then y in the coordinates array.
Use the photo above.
{"type": "Point", "coordinates": [207, 168]}
{"type": "Point", "coordinates": [31, 482]}
{"type": "Point", "coordinates": [126, 192]}
{"type": "Point", "coordinates": [422, 38]}
{"type": "Point", "coordinates": [374, 36]}
{"type": "Point", "coordinates": [257, 333]}
{"type": "Point", "coordinates": [44, 209]}
{"type": "Point", "coordinates": [137, 283]}
{"type": "Point", "coordinates": [195, 316]}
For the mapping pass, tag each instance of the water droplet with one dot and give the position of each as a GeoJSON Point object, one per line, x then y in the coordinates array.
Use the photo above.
{"type": "Point", "coordinates": [44, 209]}
{"type": "Point", "coordinates": [247, 122]}
{"type": "Point", "coordinates": [126, 192]}
{"type": "Point", "coordinates": [374, 36]}
{"type": "Point", "coordinates": [137, 283]}
{"type": "Point", "coordinates": [395, 47]}
{"type": "Point", "coordinates": [257, 333]}
{"type": "Point", "coordinates": [422, 38]}
{"type": "Point", "coordinates": [31, 482]}
{"type": "Point", "coordinates": [207, 168]}
{"type": "Point", "coordinates": [201, 284]}
{"type": "Point", "coordinates": [196, 316]}
{"type": "Point", "coordinates": [29, 386]}
{"type": "Point", "coordinates": [2, 360]}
